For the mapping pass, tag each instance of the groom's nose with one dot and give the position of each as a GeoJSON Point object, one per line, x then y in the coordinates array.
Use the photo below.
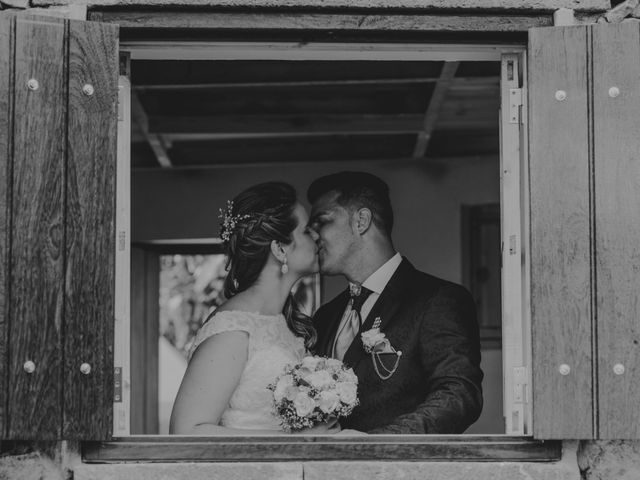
{"type": "Point", "coordinates": [313, 233]}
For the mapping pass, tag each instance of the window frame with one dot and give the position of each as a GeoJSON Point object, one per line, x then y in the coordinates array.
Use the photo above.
{"type": "Point", "coordinates": [282, 448]}
{"type": "Point", "coordinates": [519, 446]}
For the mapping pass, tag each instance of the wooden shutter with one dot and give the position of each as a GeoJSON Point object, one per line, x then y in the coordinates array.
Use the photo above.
{"type": "Point", "coordinates": [58, 79]}
{"type": "Point", "coordinates": [616, 127]}
{"type": "Point", "coordinates": [585, 236]}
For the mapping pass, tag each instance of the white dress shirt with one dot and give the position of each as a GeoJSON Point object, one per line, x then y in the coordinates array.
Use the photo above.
{"type": "Point", "coordinates": [376, 282]}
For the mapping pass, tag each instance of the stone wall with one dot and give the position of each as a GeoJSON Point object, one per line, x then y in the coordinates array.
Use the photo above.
{"type": "Point", "coordinates": [38, 460]}
{"type": "Point", "coordinates": [514, 5]}
{"type": "Point", "coordinates": [609, 460]}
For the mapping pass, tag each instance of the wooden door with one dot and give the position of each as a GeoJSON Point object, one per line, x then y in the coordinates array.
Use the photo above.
{"type": "Point", "coordinates": [585, 237]}
{"type": "Point", "coordinates": [58, 88]}
{"type": "Point", "coordinates": [145, 330]}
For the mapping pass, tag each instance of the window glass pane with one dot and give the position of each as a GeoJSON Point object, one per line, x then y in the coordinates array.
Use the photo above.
{"type": "Point", "coordinates": [303, 120]}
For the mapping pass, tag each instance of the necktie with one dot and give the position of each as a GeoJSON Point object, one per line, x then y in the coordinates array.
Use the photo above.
{"type": "Point", "coordinates": [352, 326]}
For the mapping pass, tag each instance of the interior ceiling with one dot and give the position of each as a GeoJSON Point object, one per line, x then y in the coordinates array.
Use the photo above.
{"type": "Point", "coordinates": [202, 113]}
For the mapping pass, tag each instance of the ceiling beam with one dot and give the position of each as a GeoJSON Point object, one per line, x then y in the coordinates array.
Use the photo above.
{"type": "Point", "coordinates": [458, 83]}
{"type": "Point", "coordinates": [433, 109]}
{"type": "Point", "coordinates": [139, 116]}
{"type": "Point", "coordinates": [286, 124]}
{"type": "Point", "coordinates": [433, 162]}
{"type": "Point", "coordinates": [181, 129]}
{"type": "Point", "coordinates": [279, 84]}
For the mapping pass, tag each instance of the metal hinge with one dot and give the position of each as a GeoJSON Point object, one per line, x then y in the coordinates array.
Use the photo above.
{"type": "Point", "coordinates": [117, 385]}
{"type": "Point", "coordinates": [515, 105]}
{"type": "Point", "coordinates": [520, 381]}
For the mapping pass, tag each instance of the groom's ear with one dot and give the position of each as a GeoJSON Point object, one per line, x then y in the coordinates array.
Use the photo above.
{"type": "Point", "coordinates": [363, 220]}
{"type": "Point", "coordinates": [277, 250]}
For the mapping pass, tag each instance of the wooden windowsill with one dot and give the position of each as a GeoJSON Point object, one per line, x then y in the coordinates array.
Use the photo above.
{"type": "Point", "coordinates": [312, 448]}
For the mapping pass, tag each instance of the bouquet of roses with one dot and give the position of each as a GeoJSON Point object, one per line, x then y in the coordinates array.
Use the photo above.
{"type": "Point", "coordinates": [314, 391]}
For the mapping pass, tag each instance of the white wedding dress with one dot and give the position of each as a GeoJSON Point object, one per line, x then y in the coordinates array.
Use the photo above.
{"type": "Point", "coordinates": [272, 346]}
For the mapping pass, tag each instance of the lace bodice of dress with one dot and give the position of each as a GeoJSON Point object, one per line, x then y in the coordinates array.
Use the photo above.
{"type": "Point", "coordinates": [272, 346]}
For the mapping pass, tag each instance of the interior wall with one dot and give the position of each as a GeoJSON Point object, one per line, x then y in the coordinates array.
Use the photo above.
{"type": "Point", "coordinates": [182, 204]}
{"type": "Point", "coordinates": [427, 198]}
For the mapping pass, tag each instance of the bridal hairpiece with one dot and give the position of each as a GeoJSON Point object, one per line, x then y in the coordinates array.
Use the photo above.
{"type": "Point", "coordinates": [229, 221]}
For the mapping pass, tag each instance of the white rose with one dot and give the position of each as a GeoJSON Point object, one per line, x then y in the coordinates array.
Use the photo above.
{"type": "Point", "coordinates": [372, 337]}
{"type": "Point", "coordinates": [284, 382]}
{"type": "Point", "coordinates": [310, 363]}
{"type": "Point", "coordinates": [319, 380]}
{"type": "Point", "coordinates": [347, 392]}
{"type": "Point", "coordinates": [304, 404]}
{"type": "Point", "coordinates": [292, 391]}
{"type": "Point", "coordinates": [334, 363]}
{"type": "Point", "coordinates": [328, 401]}
{"type": "Point", "coordinates": [348, 376]}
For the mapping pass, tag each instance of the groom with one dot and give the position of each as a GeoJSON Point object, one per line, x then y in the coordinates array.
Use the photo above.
{"type": "Point", "coordinates": [426, 378]}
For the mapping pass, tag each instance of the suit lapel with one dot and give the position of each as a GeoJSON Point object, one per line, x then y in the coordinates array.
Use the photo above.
{"type": "Point", "coordinates": [386, 306]}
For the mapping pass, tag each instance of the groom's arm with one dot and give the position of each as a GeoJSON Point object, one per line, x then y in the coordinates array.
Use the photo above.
{"type": "Point", "coordinates": [450, 353]}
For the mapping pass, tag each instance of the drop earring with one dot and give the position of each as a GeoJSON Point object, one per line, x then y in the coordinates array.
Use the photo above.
{"type": "Point", "coordinates": [284, 268]}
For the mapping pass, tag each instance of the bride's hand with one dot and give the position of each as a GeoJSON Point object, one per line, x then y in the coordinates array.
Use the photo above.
{"type": "Point", "coordinates": [328, 428]}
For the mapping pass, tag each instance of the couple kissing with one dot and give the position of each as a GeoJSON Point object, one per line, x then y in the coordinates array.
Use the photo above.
{"type": "Point", "coordinates": [410, 338]}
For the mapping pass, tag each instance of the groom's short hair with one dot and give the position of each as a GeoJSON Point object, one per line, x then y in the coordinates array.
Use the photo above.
{"type": "Point", "coordinates": [357, 190]}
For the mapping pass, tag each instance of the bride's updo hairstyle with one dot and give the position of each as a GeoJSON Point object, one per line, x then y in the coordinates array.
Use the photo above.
{"type": "Point", "coordinates": [256, 217]}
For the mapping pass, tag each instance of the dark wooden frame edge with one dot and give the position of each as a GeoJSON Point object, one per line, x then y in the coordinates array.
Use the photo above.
{"type": "Point", "coordinates": [153, 449]}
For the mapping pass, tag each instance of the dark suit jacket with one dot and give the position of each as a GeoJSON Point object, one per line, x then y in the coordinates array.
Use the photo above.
{"type": "Point", "coordinates": [437, 386]}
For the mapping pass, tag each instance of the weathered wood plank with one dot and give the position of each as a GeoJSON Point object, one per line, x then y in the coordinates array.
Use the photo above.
{"type": "Point", "coordinates": [90, 230]}
{"type": "Point", "coordinates": [414, 22]}
{"type": "Point", "coordinates": [534, 5]}
{"type": "Point", "coordinates": [298, 448]}
{"type": "Point", "coordinates": [616, 127]}
{"type": "Point", "coordinates": [37, 237]}
{"type": "Point", "coordinates": [560, 229]}
{"type": "Point", "coordinates": [7, 25]}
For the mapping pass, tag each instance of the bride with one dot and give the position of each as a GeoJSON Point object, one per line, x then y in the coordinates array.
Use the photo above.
{"type": "Point", "coordinates": [249, 339]}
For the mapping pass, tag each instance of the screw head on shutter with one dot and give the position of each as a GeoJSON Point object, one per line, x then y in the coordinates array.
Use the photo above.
{"type": "Point", "coordinates": [87, 89]}
{"type": "Point", "coordinates": [561, 95]}
{"type": "Point", "coordinates": [33, 84]}
{"type": "Point", "coordinates": [618, 369]}
{"type": "Point", "coordinates": [564, 369]}
{"type": "Point", "coordinates": [85, 368]}
{"type": "Point", "coordinates": [614, 92]}
{"type": "Point", "coordinates": [29, 366]}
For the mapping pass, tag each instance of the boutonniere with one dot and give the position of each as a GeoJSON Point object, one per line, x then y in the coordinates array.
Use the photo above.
{"type": "Point", "coordinates": [376, 343]}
